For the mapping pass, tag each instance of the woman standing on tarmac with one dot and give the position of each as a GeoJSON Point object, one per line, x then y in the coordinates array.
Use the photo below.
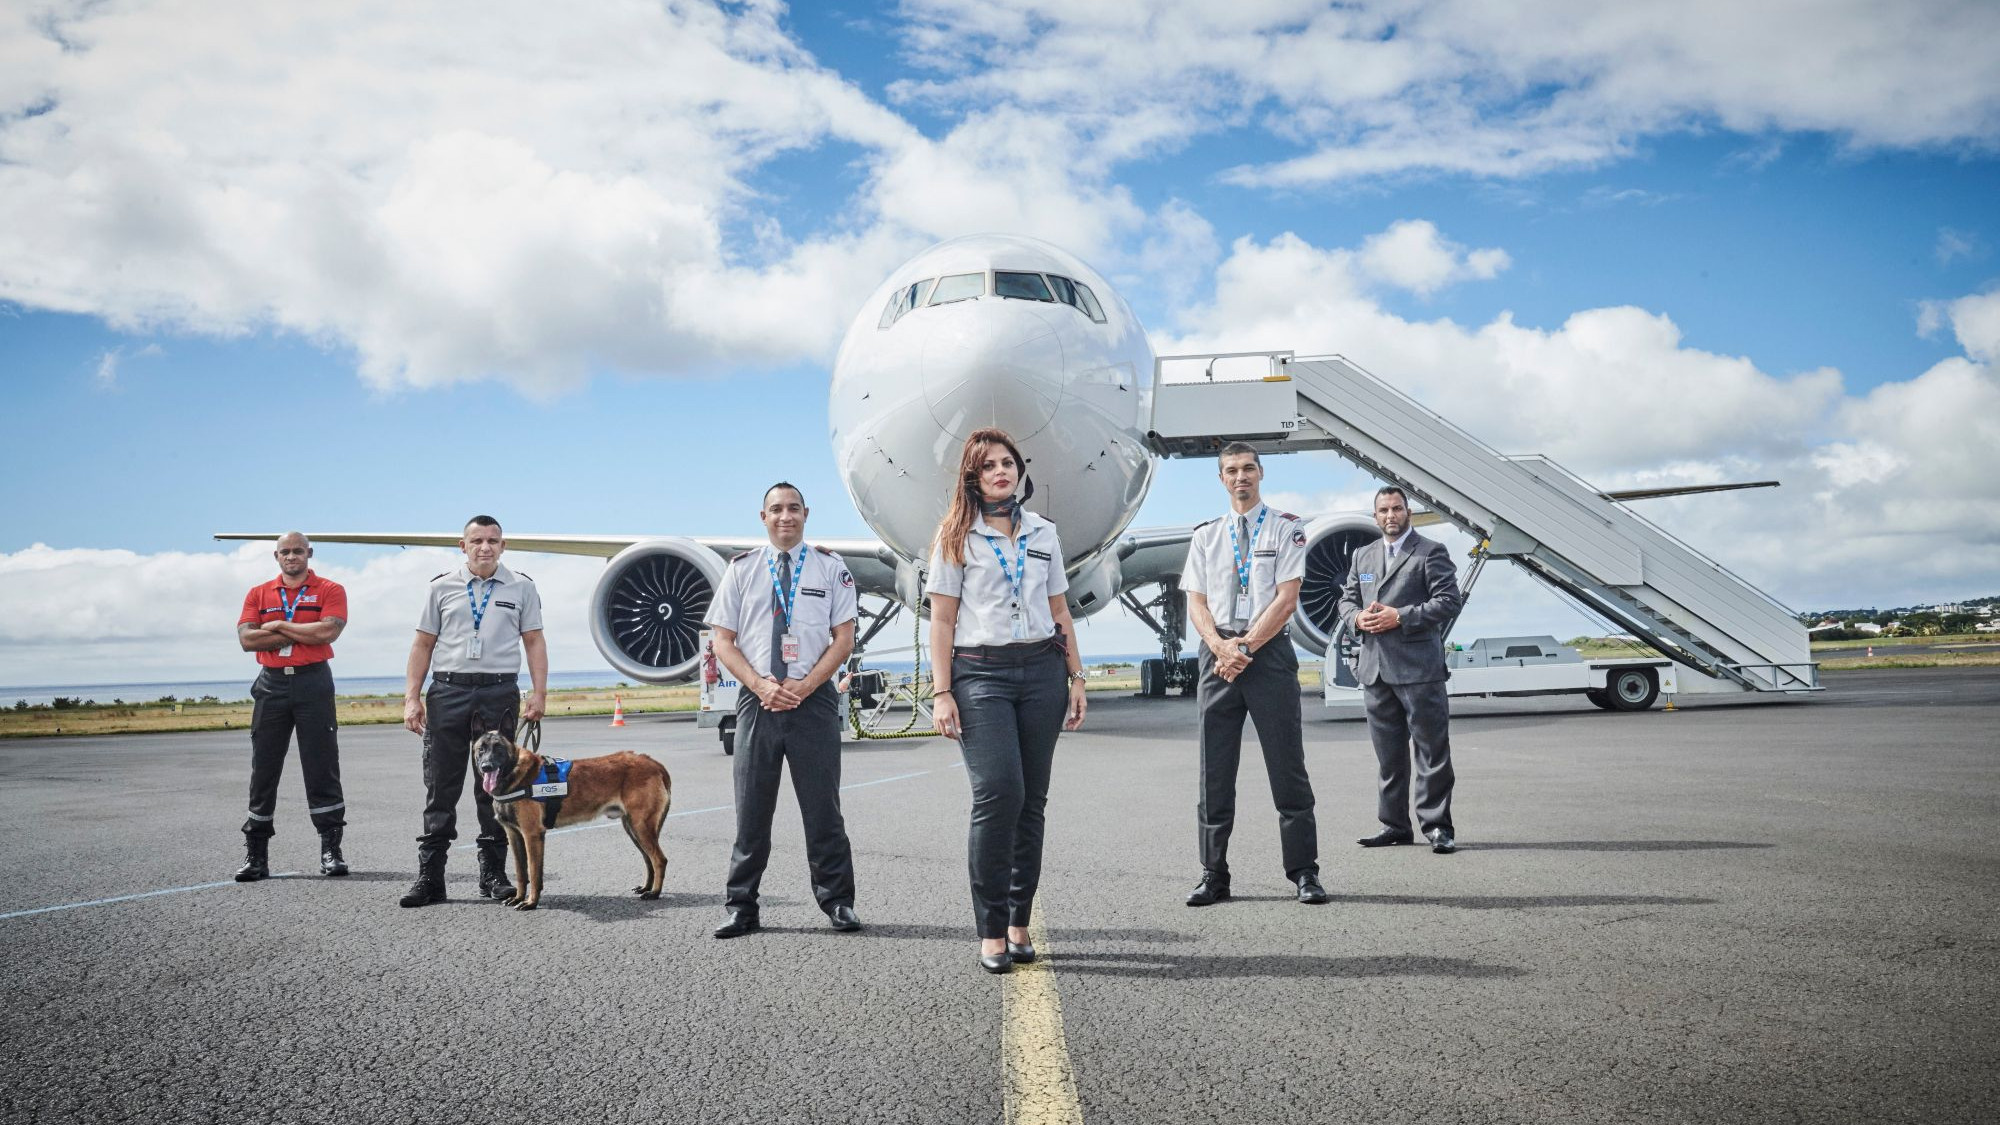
{"type": "Point", "coordinates": [997, 609]}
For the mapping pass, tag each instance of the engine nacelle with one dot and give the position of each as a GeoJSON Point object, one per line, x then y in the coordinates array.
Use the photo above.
{"type": "Point", "coordinates": [646, 612]}
{"type": "Point", "coordinates": [1330, 545]}
{"type": "Point", "coordinates": [1096, 586]}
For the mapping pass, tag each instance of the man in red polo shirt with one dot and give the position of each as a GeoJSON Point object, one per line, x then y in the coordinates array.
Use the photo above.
{"type": "Point", "coordinates": [290, 622]}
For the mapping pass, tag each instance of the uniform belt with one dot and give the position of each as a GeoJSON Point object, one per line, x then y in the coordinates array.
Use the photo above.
{"type": "Point", "coordinates": [474, 679]}
{"type": "Point", "coordinates": [1233, 634]}
{"type": "Point", "coordinates": [1014, 653]}
{"type": "Point", "coordinates": [295, 669]}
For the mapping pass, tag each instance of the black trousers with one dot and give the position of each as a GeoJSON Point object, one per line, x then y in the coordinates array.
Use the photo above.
{"type": "Point", "coordinates": [1406, 720]}
{"type": "Point", "coordinates": [448, 714]}
{"type": "Point", "coordinates": [807, 737]}
{"type": "Point", "coordinates": [1012, 710]}
{"type": "Point", "coordinates": [301, 702]}
{"type": "Point", "coordinates": [1268, 692]}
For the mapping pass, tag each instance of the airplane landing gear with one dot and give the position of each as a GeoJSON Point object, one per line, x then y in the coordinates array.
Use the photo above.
{"type": "Point", "coordinates": [1170, 672]}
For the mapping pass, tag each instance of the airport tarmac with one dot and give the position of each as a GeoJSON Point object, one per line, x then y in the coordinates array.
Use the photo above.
{"type": "Point", "coordinates": [1732, 912]}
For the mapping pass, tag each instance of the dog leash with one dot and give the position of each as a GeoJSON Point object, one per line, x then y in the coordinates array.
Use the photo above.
{"type": "Point", "coordinates": [530, 736]}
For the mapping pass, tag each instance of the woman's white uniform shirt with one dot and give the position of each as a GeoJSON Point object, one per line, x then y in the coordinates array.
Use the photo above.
{"type": "Point", "coordinates": [986, 597]}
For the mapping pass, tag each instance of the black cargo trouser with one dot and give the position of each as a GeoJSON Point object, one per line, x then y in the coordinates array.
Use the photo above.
{"type": "Point", "coordinates": [808, 738]}
{"type": "Point", "coordinates": [301, 702]}
{"type": "Point", "coordinates": [1011, 705]}
{"type": "Point", "coordinates": [1268, 692]}
{"type": "Point", "coordinates": [449, 710]}
{"type": "Point", "coordinates": [1406, 721]}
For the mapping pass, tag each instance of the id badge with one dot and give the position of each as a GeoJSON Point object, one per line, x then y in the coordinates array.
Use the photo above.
{"type": "Point", "coordinates": [286, 651]}
{"type": "Point", "coordinates": [1020, 625]}
{"type": "Point", "coordinates": [475, 646]}
{"type": "Point", "coordinates": [788, 648]}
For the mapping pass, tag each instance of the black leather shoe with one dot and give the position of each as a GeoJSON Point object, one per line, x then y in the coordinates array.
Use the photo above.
{"type": "Point", "coordinates": [1023, 953]}
{"type": "Point", "coordinates": [1386, 839]}
{"type": "Point", "coordinates": [1441, 842]}
{"type": "Point", "coordinates": [843, 919]}
{"type": "Point", "coordinates": [423, 892]}
{"type": "Point", "coordinates": [1311, 892]}
{"type": "Point", "coordinates": [331, 862]}
{"type": "Point", "coordinates": [740, 922]}
{"type": "Point", "coordinates": [1212, 889]}
{"type": "Point", "coordinates": [996, 962]}
{"type": "Point", "coordinates": [256, 861]}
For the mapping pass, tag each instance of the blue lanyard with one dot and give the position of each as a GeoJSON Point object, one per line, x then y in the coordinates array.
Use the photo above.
{"type": "Point", "coordinates": [292, 606]}
{"type": "Point", "coordinates": [1243, 561]}
{"type": "Point", "coordinates": [781, 598]}
{"type": "Point", "coordinates": [1019, 574]}
{"type": "Point", "coordinates": [479, 611]}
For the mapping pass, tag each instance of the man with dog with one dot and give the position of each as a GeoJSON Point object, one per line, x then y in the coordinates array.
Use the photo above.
{"type": "Point", "coordinates": [477, 622]}
{"type": "Point", "coordinates": [783, 622]}
{"type": "Point", "coordinates": [291, 623]}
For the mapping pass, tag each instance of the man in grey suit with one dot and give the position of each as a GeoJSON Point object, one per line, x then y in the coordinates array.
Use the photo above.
{"type": "Point", "coordinates": [1401, 594]}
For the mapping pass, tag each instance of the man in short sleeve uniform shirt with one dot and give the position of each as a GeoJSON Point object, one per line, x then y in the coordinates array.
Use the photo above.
{"type": "Point", "coordinates": [291, 622]}
{"type": "Point", "coordinates": [477, 623]}
{"type": "Point", "coordinates": [784, 624]}
{"type": "Point", "coordinates": [1242, 580]}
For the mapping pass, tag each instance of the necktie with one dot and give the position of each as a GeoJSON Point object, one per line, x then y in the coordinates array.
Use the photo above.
{"type": "Point", "coordinates": [1242, 614]}
{"type": "Point", "coordinates": [778, 668]}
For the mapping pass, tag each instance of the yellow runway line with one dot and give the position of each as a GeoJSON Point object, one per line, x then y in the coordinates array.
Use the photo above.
{"type": "Point", "coordinates": [1040, 1088]}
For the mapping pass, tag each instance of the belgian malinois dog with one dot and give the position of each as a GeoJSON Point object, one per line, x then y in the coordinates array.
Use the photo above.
{"type": "Point", "coordinates": [632, 787]}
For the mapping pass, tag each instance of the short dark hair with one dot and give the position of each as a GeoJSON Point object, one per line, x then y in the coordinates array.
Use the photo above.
{"type": "Point", "coordinates": [1389, 488]}
{"type": "Point", "coordinates": [1235, 448]}
{"type": "Point", "coordinates": [796, 491]}
{"type": "Point", "coordinates": [481, 521]}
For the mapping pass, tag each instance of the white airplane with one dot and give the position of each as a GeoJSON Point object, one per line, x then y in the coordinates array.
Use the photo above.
{"type": "Point", "coordinates": [986, 330]}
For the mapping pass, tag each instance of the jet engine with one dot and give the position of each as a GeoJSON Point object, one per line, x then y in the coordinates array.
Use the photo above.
{"type": "Point", "coordinates": [1330, 545]}
{"type": "Point", "coordinates": [646, 612]}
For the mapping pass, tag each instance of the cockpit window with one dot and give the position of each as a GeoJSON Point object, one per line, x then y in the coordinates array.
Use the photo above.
{"type": "Point", "coordinates": [1024, 286]}
{"type": "Point", "coordinates": [903, 300]}
{"type": "Point", "coordinates": [958, 287]}
{"type": "Point", "coordinates": [1077, 295]}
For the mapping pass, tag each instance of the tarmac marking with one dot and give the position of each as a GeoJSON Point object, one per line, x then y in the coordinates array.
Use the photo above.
{"type": "Point", "coordinates": [129, 898]}
{"type": "Point", "coordinates": [1038, 1084]}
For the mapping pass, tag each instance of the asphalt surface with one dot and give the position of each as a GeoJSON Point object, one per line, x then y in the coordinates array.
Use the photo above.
{"type": "Point", "coordinates": [1776, 912]}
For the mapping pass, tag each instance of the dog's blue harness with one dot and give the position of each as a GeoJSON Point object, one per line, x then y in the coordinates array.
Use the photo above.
{"type": "Point", "coordinates": [549, 785]}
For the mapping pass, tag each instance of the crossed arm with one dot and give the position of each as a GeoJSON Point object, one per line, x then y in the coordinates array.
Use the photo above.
{"type": "Point", "coordinates": [271, 636]}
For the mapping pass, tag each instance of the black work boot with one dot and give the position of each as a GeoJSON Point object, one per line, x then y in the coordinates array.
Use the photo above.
{"type": "Point", "coordinates": [256, 859]}
{"type": "Point", "coordinates": [429, 887]}
{"type": "Point", "coordinates": [331, 862]}
{"type": "Point", "coordinates": [493, 874]}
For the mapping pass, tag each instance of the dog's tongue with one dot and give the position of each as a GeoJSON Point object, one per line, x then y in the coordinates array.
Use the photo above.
{"type": "Point", "coordinates": [489, 780]}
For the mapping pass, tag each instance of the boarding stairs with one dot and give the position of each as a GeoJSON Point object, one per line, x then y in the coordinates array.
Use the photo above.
{"type": "Point", "coordinates": [1527, 510]}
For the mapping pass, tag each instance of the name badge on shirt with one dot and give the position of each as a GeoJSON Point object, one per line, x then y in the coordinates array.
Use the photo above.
{"type": "Point", "coordinates": [1020, 623]}
{"type": "Point", "coordinates": [286, 651]}
{"type": "Point", "coordinates": [788, 648]}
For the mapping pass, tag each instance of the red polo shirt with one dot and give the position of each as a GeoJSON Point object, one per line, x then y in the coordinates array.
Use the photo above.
{"type": "Point", "coordinates": [317, 598]}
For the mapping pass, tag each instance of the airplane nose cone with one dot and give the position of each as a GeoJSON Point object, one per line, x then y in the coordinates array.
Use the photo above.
{"type": "Point", "coordinates": [992, 362]}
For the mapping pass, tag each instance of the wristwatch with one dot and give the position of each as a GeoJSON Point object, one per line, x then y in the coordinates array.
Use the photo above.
{"type": "Point", "coordinates": [1243, 648]}
{"type": "Point", "coordinates": [1078, 677]}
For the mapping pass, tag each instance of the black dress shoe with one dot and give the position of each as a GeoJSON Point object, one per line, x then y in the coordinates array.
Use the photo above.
{"type": "Point", "coordinates": [1386, 838]}
{"type": "Point", "coordinates": [740, 922]}
{"type": "Point", "coordinates": [843, 919]}
{"type": "Point", "coordinates": [1441, 841]}
{"type": "Point", "coordinates": [1023, 953]}
{"type": "Point", "coordinates": [1311, 892]}
{"type": "Point", "coordinates": [1212, 889]}
{"type": "Point", "coordinates": [996, 962]}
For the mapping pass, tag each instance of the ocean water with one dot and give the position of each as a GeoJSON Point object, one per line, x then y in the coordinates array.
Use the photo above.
{"type": "Point", "coordinates": [239, 689]}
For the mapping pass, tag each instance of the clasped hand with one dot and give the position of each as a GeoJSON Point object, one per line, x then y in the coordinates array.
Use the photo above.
{"type": "Point", "coordinates": [1378, 618]}
{"type": "Point", "coordinates": [781, 695]}
{"type": "Point", "coordinates": [1230, 661]}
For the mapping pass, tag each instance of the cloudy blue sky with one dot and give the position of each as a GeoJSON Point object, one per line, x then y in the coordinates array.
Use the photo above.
{"type": "Point", "coordinates": [375, 266]}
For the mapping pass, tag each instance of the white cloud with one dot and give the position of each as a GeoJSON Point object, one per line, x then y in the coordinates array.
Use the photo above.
{"type": "Point", "coordinates": [106, 376]}
{"type": "Point", "coordinates": [1464, 86]}
{"type": "Point", "coordinates": [1872, 484]}
{"type": "Point", "coordinates": [1953, 244]}
{"type": "Point", "coordinates": [1412, 255]}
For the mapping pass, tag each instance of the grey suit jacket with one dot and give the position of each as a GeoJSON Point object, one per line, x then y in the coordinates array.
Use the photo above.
{"type": "Point", "coordinates": [1422, 585]}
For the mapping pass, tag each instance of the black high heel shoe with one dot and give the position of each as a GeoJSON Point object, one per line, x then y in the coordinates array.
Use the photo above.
{"type": "Point", "coordinates": [996, 962]}
{"type": "Point", "coordinates": [1023, 953]}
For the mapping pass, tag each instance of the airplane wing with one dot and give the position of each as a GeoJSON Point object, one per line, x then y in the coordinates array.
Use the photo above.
{"type": "Point", "coordinates": [872, 563]}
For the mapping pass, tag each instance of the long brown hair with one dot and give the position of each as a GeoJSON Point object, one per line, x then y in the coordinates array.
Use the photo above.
{"type": "Point", "coordinates": [965, 499]}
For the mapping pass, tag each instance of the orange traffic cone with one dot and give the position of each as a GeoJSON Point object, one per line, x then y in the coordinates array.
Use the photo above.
{"type": "Point", "coordinates": [617, 710]}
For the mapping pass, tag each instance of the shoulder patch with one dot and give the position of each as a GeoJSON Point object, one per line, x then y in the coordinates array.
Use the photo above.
{"type": "Point", "coordinates": [847, 579]}
{"type": "Point", "coordinates": [1298, 537]}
